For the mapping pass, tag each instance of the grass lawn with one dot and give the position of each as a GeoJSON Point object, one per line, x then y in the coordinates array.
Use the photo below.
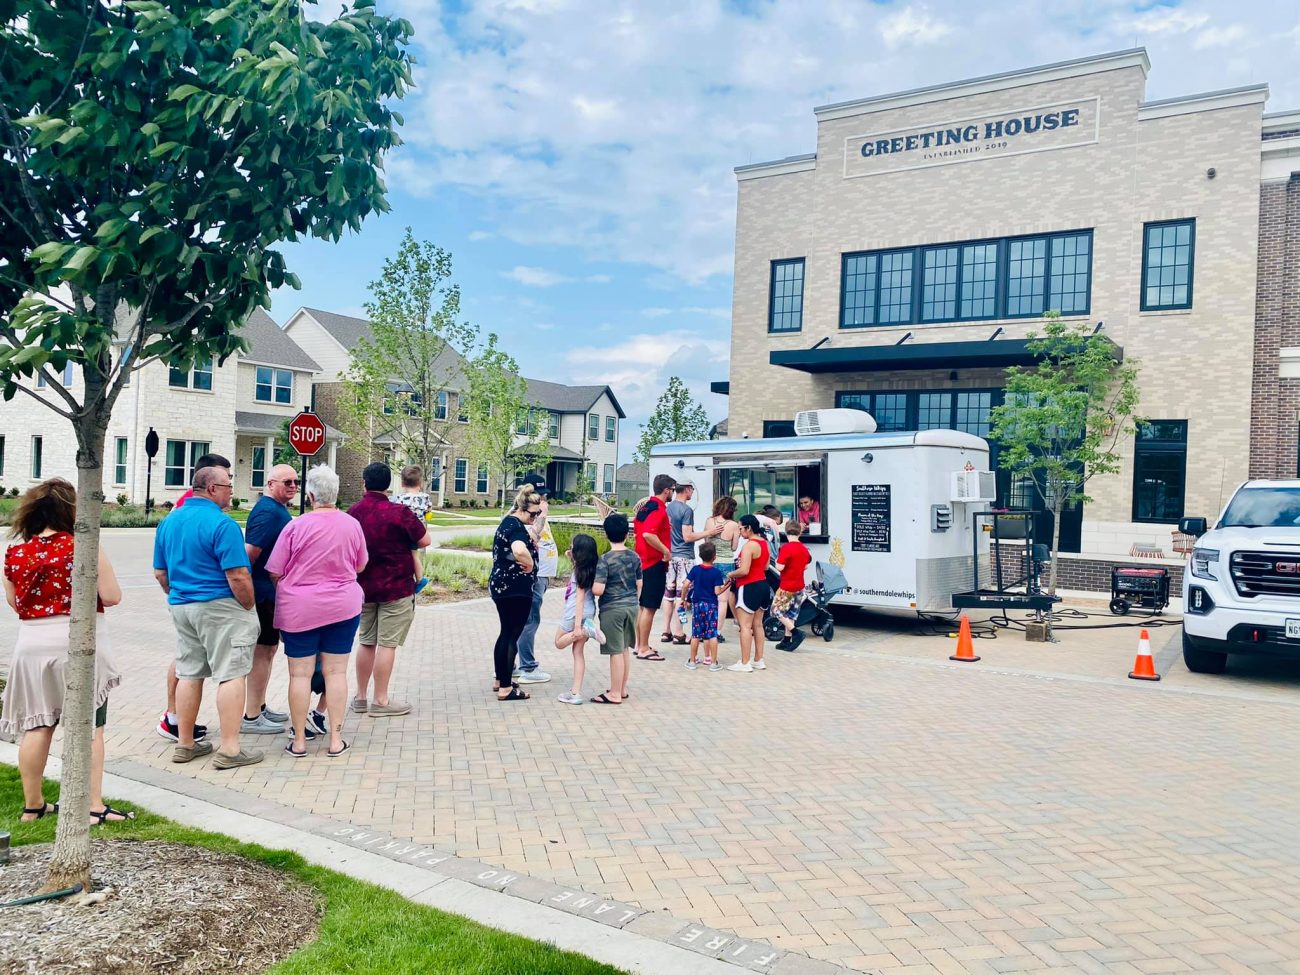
{"type": "Point", "coordinates": [476, 543]}
{"type": "Point", "coordinates": [365, 929]}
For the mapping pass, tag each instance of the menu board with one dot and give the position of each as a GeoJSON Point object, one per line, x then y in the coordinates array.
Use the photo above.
{"type": "Point", "coordinates": [871, 518]}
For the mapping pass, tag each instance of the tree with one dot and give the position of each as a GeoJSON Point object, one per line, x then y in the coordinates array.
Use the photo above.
{"type": "Point", "coordinates": [402, 375]}
{"type": "Point", "coordinates": [1062, 418]}
{"type": "Point", "coordinates": [151, 155]}
{"type": "Point", "coordinates": [506, 432]}
{"type": "Point", "coordinates": [677, 417]}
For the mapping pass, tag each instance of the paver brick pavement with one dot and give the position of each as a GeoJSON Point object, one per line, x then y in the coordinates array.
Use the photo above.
{"type": "Point", "coordinates": [864, 804]}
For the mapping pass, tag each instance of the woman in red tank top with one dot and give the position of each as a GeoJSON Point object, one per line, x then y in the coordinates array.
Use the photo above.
{"type": "Point", "coordinates": [753, 593]}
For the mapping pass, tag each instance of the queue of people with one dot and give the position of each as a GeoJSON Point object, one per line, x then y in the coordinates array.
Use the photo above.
{"type": "Point", "coordinates": [332, 579]}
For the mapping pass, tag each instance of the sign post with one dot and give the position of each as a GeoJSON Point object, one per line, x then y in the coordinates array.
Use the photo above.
{"type": "Point", "coordinates": [150, 449]}
{"type": "Point", "coordinates": [307, 437]}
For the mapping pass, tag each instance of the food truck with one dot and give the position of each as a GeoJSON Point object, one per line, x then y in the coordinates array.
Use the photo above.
{"type": "Point", "coordinates": [896, 509]}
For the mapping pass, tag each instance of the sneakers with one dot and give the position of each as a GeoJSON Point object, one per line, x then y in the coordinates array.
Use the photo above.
{"type": "Point", "coordinates": [393, 709]}
{"type": "Point", "coordinates": [279, 717]}
{"type": "Point", "coordinates": [592, 630]}
{"type": "Point", "coordinates": [316, 720]}
{"type": "Point", "coordinates": [568, 697]}
{"type": "Point", "coordinates": [534, 677]}
{"type": "Point", "coordinates": [167, 729]}
{"type": "Point", "coordinates": [796, 638]}
{"type": "Point", "coordinates": [261, 725]}
{"type": "Point", "coordinates": [692, 665]}
{"type": "Point", "coordinates": [181, 754]}
{"type": "Point", "coordinates": [714, 667]}
{"type": "Point", "coordinates": [760, 665]}
{"type": "Point", "coordinates": [359, 705]}
{"type": "Point", "coordinates": [783, 643]}
{"type": "Point", "coordinates": [224, 761]}
{"type": "Point", "coordinates": [740, 668]}
{"type": "Point", "coordinates": [308, 732]}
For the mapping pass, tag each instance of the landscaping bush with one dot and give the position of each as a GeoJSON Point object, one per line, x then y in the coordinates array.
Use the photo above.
{"type": "Point", "coordinates": [565, 530]}
{"type": "Point", "coordinates": [122, 499]}
{"type": "Point", "coordinates": [456, 572]}
{"type": "Point", "coordinates": [477, 543]}
{"type": "Point", "coordinates": [130, 516]}
{"type": "Point", "coordinates": [13, 492]}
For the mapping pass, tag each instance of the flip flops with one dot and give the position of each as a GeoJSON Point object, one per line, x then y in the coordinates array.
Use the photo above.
{"type": "Point", "coordinates": [652, 655]}
{"type": "Point", "coordinates": [335, 754]}
{"type": "Point", "coordinates": [603, 699]}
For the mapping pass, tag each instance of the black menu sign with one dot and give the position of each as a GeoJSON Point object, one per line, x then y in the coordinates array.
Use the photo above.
{"type": "Point", "coordinates": [871, 518]}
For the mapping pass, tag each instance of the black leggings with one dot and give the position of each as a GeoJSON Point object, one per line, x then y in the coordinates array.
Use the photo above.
{"type": "Point", "coordinates": [513, 612]}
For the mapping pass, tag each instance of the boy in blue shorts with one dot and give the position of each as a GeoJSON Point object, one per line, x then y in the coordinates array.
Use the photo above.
{"type": "Point", "coordinates": [703, 584]}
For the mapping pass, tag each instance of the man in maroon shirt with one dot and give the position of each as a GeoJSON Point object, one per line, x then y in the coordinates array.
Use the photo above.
{"type": "Point", "coordinates": [388, 584]}
{"type": "Point", "coordinates": [654, 537]}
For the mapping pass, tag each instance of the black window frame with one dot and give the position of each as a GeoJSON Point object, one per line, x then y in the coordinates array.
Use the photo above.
{"type": "Point", "coordinates": [1143, 450]}
{"type": "Point", "coordinates": [1191, 262]}
{"type": "Point", "coordinates": [1001, 281]}
{"type": "Point", "coordinates": [771, 294]}
{"type": "Point", "coordinates": [778, 429]}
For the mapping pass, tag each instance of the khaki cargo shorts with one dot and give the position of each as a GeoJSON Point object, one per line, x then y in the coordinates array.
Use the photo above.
{"type": "Point", "coordinates": [214, 639]}
{"type": "Point", "coordinates": [386, 624]}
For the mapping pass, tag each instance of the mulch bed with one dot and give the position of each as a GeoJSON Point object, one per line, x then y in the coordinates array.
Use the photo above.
{"type": "Point", "coordinates": [434, 593]}
{"type": "Point", "coordinates": [169, 908]}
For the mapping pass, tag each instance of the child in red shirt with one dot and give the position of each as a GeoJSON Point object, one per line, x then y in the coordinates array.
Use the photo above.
{"type": "Point", "coordinates": [792, 561]}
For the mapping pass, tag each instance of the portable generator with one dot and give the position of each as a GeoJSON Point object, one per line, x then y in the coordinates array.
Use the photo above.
{"type": "Point", "coordinates": [1133, 586]}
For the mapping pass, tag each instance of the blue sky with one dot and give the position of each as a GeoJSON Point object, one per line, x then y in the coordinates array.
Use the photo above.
{"type": "Point", "coordinates": [576, 156]}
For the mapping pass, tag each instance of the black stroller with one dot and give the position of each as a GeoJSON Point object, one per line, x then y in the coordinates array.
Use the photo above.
{"type": "Point", "coordinates": [814, 611]}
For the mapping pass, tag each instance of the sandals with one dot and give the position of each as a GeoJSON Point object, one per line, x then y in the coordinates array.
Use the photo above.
{"type": "Point", "coordinates": [289, 748]}
{"type": "Point", "coordinates": [43, 810]}
{"type": "Point", "coordinates": [603, 699]}
{"type": "Point", "coordinates": [652, 655]}
{"type": "Point", "coordinates": [102, 817]}
{"type": "Point", "coordinates": [665, 637]}
{"type": "Point", "coordinates": [682, 642]}
{"type": "Point", "coordinates": [515, 694]}
{"type": "Point", "coordinates": [335, 754]}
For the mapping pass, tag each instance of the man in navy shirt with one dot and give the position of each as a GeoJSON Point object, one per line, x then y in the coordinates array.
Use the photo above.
{"type": "Point", "coordinates": [200, 561]}
{"type": "Point", "coordinates": [269, 517]}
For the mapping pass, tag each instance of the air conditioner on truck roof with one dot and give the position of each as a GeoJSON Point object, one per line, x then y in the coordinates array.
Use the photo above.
{"type": "Point", "coordinates": [811, 423]}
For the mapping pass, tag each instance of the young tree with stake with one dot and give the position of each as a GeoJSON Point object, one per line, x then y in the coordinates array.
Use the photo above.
{"type": "Point", "coordinates": [1062, 418]}
{"type": "Point", "coordinates": [151, 156]}
{"type": "Point", "coordinates": [677, 417]}
{"type": "Point", "coordinates": [498, 410]}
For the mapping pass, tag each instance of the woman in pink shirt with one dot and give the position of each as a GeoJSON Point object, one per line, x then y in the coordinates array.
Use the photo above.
{"type": "Point", "coordinates": [318, 604]}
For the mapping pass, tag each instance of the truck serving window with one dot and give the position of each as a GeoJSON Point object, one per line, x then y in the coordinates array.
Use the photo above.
{"type": "Point", "coordinates": [780, 483]}
{"type": "Point", "coordinates": [1271, 507]}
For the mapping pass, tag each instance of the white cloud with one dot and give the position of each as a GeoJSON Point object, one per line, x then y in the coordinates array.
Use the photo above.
{"type": "Point", "coordinates": [1163, 20]}
{"type": "Point", "coordinates": [540, 277]}
{"type": "Point", "coordinates": [481, 235]}
{"type": "Point", "coordinates": [912, 26]}
{"type": "Point", "coordinates": [687, 310]}
{"type": "Point", "coordinates": [656, 312]}
{"type": "Point", "coordinates": [1219, 37]}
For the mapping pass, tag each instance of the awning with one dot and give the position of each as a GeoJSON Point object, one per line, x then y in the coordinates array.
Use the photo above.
{"type": "Point", "coordinates": [912, 355]}
{"type": "Point", "coordinates": [721, 387]}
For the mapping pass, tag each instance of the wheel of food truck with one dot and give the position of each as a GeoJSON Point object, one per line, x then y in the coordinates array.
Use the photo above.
{"type": "Point", "coordinates": [1200, 661]}
{"type": "Point", "coordinates": [1119, 607]}
{"type": "Point", "coordinates": [828, 631]}
{"type": "Point", "coordinates": [773, 629]}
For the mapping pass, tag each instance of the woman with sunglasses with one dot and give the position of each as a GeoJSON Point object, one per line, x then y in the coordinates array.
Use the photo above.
{"type": "Point", "coordinates": [514, 566]}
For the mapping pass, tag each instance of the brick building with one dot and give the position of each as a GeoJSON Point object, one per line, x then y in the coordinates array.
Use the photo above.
{"type": "Point", "coordinates": [900, 267]}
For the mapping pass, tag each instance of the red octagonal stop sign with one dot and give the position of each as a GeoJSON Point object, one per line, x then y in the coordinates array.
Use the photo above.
{"type": "Point", "coordinates": [307, 434]}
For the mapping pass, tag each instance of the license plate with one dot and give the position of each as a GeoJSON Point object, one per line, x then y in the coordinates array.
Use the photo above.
{"type": "Point", "coordinates": [1293, 629]}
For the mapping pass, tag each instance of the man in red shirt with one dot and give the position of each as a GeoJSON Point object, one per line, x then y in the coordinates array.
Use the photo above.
{"type": "Point", "coordinates": [654, 537]}
{"type": "Point", "coordinates": [792, 562]}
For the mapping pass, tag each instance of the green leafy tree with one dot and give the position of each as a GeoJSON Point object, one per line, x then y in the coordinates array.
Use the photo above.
{"type": "Point", "coordinates": [677, 417]}
{"type": "Point", "coordinates": [1062, 419]}
{"type": "Point", "coordinates": [506, 432]}
{"type": "Point", "coordinates": [151, 156]}
{"type": "Point", "coordinates": [411, 363]}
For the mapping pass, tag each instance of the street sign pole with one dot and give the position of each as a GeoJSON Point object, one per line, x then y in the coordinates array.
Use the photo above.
{"type": "Point", "coordinates": [150, 448]}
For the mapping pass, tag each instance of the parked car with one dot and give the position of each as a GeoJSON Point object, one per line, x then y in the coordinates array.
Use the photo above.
{"type": "Point", "coordinates": [1241, 588]}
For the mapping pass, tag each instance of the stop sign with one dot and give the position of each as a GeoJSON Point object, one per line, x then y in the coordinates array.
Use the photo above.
{"type": "Point", "coordinates": [307, 434]}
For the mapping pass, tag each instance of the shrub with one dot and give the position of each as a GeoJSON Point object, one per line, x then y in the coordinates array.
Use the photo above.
{"type": "Point", "coordinates": [234, 505]}
{"type": "Point", "coordinates": [130, 516]}
{"type": "Point", "coordinates": [473, 502]}
{"type": "Point", "coordinates": [456, 572]}
{"type": "Point", "coordinates": [565, 530]}
{"type": "Point", "coordinates": [13, 492]}
{"type": "Point", "coordinates": [464, 503]}
{"type": "Point", "coordinates": [122, 499]}
{"type": "Point", "coordinates": [167, 506]}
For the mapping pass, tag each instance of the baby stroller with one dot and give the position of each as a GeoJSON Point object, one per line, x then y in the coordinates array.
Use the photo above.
{"type": "Point", "coordinates": [814, 611]}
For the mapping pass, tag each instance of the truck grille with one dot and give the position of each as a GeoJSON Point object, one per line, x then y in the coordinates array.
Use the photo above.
{"type": "Point", "coordinates": [1266, 574]}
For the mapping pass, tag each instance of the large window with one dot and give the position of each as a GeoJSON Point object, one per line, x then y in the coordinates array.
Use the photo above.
{"type": "Point", "coordinates": [257, 476]}
{"type": "Point", "coordinates": [462, 407]}
{"type": "Point", "coordinates": [1160, 471]}
{"type": "Point", "coordinates": [461, 484]}
{"type": "Point", "coordinates": [611, 426]}
{"type": "Point", "coordinates": [757, 483]}
{"type": "Point", "coordinates": [119, 460]}
{"type": "Point", "coordinates": [785, 296]}
{"type": "Point", "coordinates": [38, 457]}
{"type": "Point", "coordinates": [1168, 252]}
{"type": "Point", "coordinates": [778, 428]}
{"type": "Point", "coordinates": [593, 427]}
{"type": "Point", "coordinates": [481, 481]}
{"type": "Point", "coordinates": [198, 377]}
{"type": "Point", "coordinates": [181, 457]}
{"type": "Point", "coordinates": [440, 405]}
{"type": "Point", "coordinates": [553, 426]}
{"type": "Point", "coordinates": [435, 476]}
{"type": "Point", "coordinates": [273, 385]}
{"type": "Point", "coordinates": [609, 479]}
{"type": "Point", "coordinates": [982, 280]}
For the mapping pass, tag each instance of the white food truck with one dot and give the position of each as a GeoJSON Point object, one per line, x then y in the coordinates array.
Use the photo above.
{"type": "Point", "coordinates": [896, 508]}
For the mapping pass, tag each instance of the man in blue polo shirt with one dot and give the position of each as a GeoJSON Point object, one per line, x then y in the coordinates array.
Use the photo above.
{"type": "Point", "coordinates": [200, 561]}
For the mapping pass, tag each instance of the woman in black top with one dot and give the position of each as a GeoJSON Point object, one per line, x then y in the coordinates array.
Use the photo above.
{"type": "Point", "coordinates": [514, 566]}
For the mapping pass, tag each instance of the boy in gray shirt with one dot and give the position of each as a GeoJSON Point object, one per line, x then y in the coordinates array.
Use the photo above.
{"type": "Point", "coordinates": [617, 587]}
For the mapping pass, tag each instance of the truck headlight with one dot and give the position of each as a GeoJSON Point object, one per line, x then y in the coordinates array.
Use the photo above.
{"type": "Point", "coordinates": [1203, 562]}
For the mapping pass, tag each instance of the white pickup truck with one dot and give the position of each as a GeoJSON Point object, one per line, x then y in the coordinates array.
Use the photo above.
{"type": "Point", "coordinates": [1241, 588]}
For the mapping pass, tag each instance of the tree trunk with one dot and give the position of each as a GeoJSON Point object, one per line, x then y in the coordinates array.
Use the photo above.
{"type": "Point", "coordinates": [1057, 508]}
{"type": "Point", "coordinates": [70, 864]}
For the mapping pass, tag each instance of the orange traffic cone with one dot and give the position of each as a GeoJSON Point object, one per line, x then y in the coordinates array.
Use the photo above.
{"type": "Point", "coordinates": [965, 646]}
{"type": "Point", "coordinates": [1144, 667]}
